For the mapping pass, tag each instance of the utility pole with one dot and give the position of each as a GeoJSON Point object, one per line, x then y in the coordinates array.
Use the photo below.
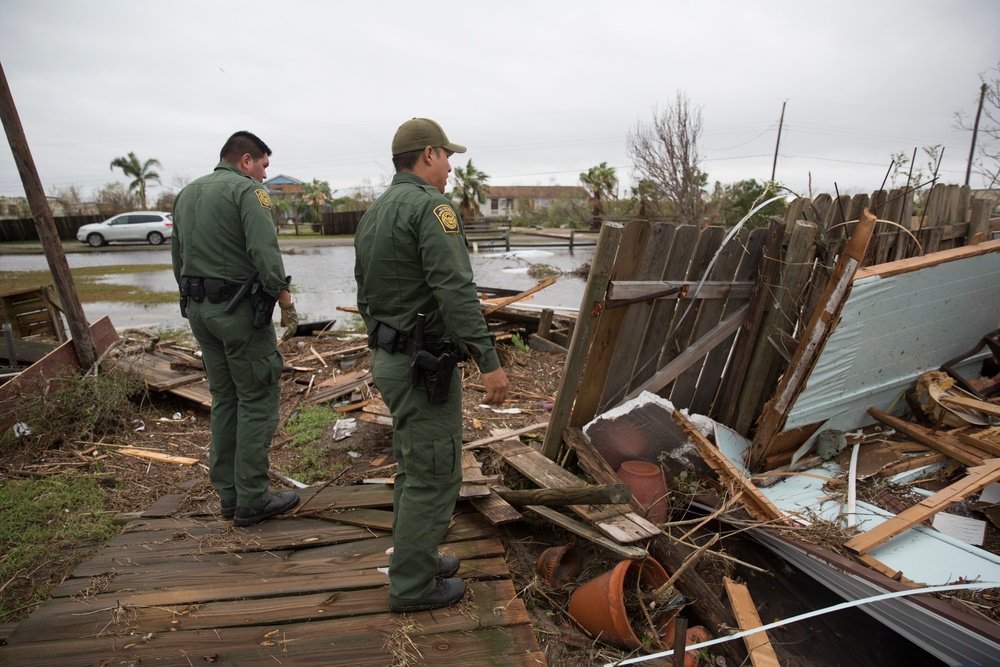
{"type": "Point", "coordinates": [774, 165]}
{"type": "Point", "coordinates": [86, 352]}
{"type": "Point", "coordinates": [975, 131]}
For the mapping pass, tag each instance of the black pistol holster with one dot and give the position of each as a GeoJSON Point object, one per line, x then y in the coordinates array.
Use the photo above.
{"type": "Point", "coordinates": [262, 305]}
{"type": "Point", "coordinates": [434, 368]}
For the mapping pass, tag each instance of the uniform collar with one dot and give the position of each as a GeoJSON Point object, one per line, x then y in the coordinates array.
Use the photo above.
{"type": "Point", "coordinates": [232, 168]}
{"type": "Point", "coordinates": [407, 177]}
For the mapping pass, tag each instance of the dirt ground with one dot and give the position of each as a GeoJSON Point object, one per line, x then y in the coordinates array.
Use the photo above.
{"type": "Point", "coordinates": [175, 426]}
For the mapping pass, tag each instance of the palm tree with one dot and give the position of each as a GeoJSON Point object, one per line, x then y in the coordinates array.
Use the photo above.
{"type": "Point", "coordinates": [142, 173]}
{"type": "Point", "coordinates": [470, 187]}
{"type": "Point", "coordinates": [600, 182]}
{"type": "Point", "coordinates": [315, 195]}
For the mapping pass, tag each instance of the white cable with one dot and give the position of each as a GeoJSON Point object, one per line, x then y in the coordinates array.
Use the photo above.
{"type": "Point", "coordinates": [811, 614]}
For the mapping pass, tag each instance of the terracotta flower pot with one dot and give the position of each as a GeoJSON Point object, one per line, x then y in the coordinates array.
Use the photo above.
{"type": "Point", "coordinates": [695, 635]}
{"type": "Point", "coordinates": [599, 605]}
{"type": "Point", "coordinates": [557, 566]}
{"type": "Point", "coordinates": [646, 481]}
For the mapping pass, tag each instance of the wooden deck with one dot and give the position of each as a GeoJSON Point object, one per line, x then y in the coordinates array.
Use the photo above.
{"type": "Point", "coordinates": [180, 586]}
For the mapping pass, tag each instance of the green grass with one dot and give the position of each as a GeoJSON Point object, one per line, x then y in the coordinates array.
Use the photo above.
{"type": "Point", "coordinates": [42, 517]}
{"type": "Point", "coordinates": [89, 287]}
{"type": "Point", "coordinates": [306, 428]}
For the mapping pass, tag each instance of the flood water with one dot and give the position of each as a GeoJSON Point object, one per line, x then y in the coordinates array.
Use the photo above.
{"type": "Point", "coordinates": [322, 280]}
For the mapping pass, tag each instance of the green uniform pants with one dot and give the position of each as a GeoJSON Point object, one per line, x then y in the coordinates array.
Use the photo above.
{"type": "Point", "coordinates": [427, 445]}
{"type": "Point", "coordinates": [243, 365]}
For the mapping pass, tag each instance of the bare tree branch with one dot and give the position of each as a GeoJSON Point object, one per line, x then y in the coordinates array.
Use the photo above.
{"type": "Point", "coordinates": [666, 153]}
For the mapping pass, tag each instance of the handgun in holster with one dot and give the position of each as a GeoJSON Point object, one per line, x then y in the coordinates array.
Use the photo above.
{"type": "Point", "coordinates": [434, 371]}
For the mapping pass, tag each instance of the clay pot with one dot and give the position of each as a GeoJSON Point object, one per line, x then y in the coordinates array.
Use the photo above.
{"type": "Point", "coordinates": [695, 635]}
{"type": "Point", "coordinates": [599, 605]}
{"type": "Point", "coordinates": [557, 566]}
{"type": "Point", "coordinates": [646, 481]}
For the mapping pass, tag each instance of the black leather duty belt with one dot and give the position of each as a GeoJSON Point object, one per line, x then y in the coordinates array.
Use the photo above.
{"type": "Point", "coordinates": [392, 341]}
{"type": "Point", "coordinates": [215, 290]}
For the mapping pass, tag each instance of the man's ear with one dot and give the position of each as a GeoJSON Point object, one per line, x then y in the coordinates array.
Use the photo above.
{"type": "Point", "coordinates": [428, 154]}
{"type": "Point", "coordinates": [246, 160]}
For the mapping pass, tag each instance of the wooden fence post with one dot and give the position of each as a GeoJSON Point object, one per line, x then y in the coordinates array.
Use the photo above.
{"type": "Point", "coordinates": [583, 334]}
{"type": "Point", "coordinates": [83, 342]}
{"type": "Point", "coordinates": [813, 338]}
{"type": "Point", "coordinates": [766, 361]}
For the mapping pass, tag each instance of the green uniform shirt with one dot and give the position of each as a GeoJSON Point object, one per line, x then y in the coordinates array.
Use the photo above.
{"type": "Point", "coordinates": [410, 258]}
{"type": "Point", "coordinates": [223, 228]}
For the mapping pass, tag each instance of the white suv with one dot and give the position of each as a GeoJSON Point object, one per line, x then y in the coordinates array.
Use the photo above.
{"type": "Point", "coordinates": [152, 226]}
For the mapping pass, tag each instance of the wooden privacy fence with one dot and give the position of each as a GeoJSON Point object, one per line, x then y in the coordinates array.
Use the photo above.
{"type": "Point", "coordinates": [23, 229]}
{"type": "Point", "coordinates": [709, 318]}
{"type": "Point", "coordinates": [341, 222]}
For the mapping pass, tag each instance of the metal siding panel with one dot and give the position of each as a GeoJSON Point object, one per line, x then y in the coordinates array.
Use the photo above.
{"type": "Point", "coordinates": [892, 330]}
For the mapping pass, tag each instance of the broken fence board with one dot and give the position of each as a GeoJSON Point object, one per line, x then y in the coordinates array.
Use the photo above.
{"type": "Point", "coordinates": [976, 479]}
{"type": "Point", "coordinates": [758, 645]}
{"type": "Point", "coordinates": [366, 517]}
{"type": "Point", "coordinates": [616, 521]}
{"type": "Point", "coordinates": [158, 456]}
{"type": "Point", "coordinates": [943, 442]}
{"type": "Point", "coordinates": [496, 509]}
{"type": "Point", "coordinates": [755, 502]}
{"type": "Point", "coordinates": [585, 531]}
{"type": "Point", "coordinates": [821, 323]}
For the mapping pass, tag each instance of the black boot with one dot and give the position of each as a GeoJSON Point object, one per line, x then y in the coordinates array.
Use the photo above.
{"type": "Point", "coordinates": [448, 566]}
{"type": "Point", "coordinates": [278, 503]}
{"type": "Point", "coordinates": [446, 593]}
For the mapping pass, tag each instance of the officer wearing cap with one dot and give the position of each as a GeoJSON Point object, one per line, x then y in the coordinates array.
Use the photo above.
{"type": "Point", "coordinates": [223, 233]}
{"type": "Point", "coordinates": [411, 265]}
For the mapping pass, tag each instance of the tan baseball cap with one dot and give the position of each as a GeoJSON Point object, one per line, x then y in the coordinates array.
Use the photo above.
{"type": "Point", "coordinates": [415, 134]}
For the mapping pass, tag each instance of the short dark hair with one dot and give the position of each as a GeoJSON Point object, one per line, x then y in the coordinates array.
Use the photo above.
{"type": "Point", "coordinates": [243, 142]}
{"type": "Point", "coordinates": [406, 161]}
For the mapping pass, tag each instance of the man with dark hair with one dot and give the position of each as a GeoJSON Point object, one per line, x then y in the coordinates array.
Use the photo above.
{"type": "Point", "coordinates": [417, 297]}
{"type": "Point", "coordinates": [223, 240]}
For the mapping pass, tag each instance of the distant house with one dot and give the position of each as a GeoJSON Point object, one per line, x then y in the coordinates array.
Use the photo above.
{"type": "Point", "coordinates": [503, 201]}
{"type": "Point", "coordinates": [283, 185]}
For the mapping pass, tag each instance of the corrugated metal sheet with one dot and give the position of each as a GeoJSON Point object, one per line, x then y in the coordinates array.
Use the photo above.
{"type": "Point", "coordinates": [891, 330]}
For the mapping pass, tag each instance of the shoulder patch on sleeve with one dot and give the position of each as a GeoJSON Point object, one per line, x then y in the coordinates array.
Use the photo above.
{"type": "Point", "coordinates": [263, 198]}
{"type": "Point", "coordinates": [446, 216]}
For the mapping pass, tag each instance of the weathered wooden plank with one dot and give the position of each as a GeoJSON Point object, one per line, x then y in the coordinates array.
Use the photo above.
{"type": "Point", "coordinates": [755, 502]}
{"type": "Point", "coordinates": [488, 627]}
{"type": "Point", "coordinates": [369, 518]}
{"type": "Point", "coordinates": [496, 509]}
{"type": "Point", "coordinates": [206, 571]}
{"type": "Point", "coordinates": [945, 443]}
{"type": "Point", "coordinates": [762, 375]}
{"type": "Point", "coordinates": [157, 456]}
{"type": "Point", "coordinates": [583, 334]}
{"type": "Point", "coordinates": [758, 645]}
{"type": "Point", "coordinates": [636, 316]}
{"type": "Point", "coordinates": [718, 360]}
{"type": "Point", "coordinates": [768, 273]}
{"type": "Point", "coordinates": [629, 290]}
{"type": "Point", "coordinates": [628, 262]}
{"type": "Point", "coordinates": [976, 479]}
{"type": "Point", "coordinates": [674, 269]}
{"type": "Point", "coordinates": [692, 354]}
{"type": "Point", "coordinates": [165, 505]}
{"type": "Point", "coordinates": [592, 494]}
{"type": "Point", "coordinates": [616, 521]}
{"type": "Point", "coordinates": [776, 411]}
{"type": "Point", "coordinates": [708, 316]}
{"type": "Point", "coordinates": [144, 555]}
{"type": "Point", "coordinates": [587, 532]}
{"type": "Point", "coordinates": [680, 333]}
{"type": "Point", "coordinates": [78, 619]}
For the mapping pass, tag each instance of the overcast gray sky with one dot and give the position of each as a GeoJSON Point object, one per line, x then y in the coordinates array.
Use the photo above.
{"type": "Point", "coordinates": [539, 91]}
